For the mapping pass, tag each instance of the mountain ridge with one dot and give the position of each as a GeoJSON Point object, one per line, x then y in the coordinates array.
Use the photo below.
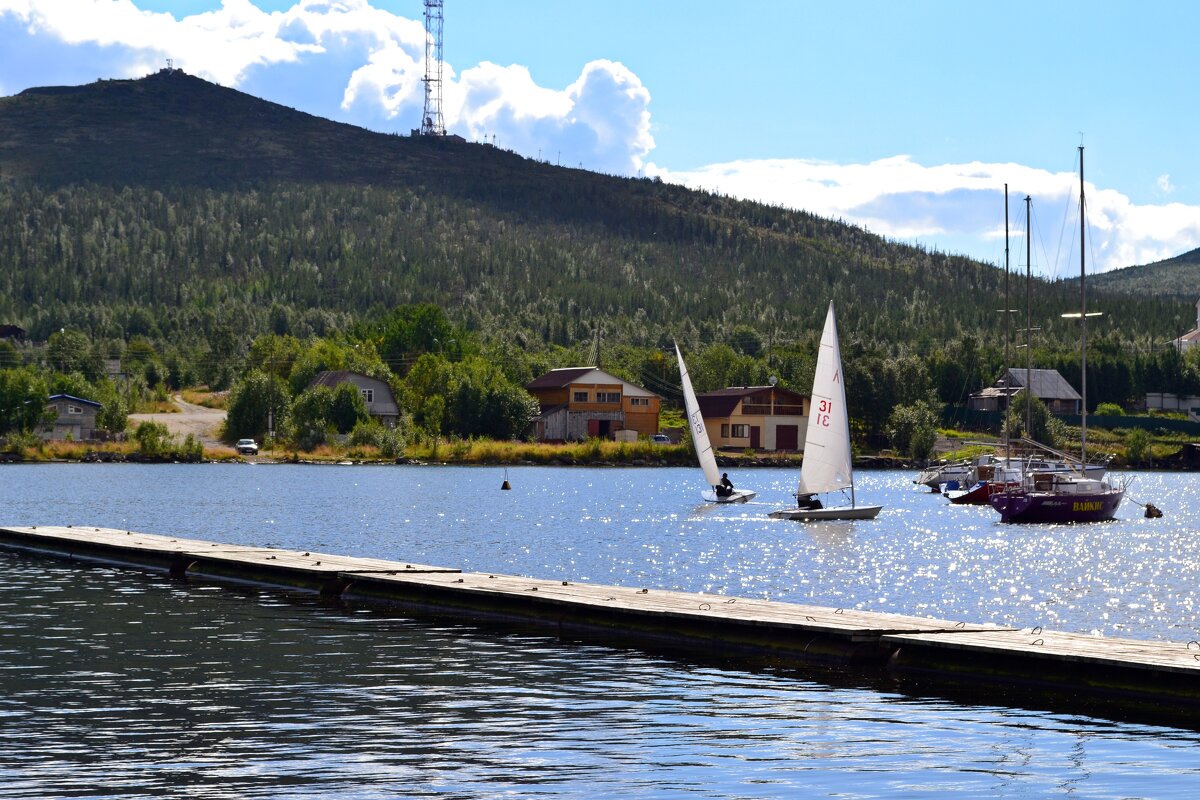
{"type": "Point", "coordinates": [206, 192]}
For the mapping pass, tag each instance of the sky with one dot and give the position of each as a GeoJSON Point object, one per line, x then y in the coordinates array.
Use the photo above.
{"type": "Point", "coordinates": [905, 117]}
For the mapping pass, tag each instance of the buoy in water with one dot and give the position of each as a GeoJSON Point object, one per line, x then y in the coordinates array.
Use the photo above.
{"type": "Point", "coordinates": [505, 486]}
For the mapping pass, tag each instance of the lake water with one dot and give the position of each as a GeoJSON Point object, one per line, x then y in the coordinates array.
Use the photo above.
{"type": "Point", "coordinates": [117, 683]}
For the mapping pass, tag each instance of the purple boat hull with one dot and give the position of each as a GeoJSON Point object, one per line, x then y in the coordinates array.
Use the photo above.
{"type": "Point", "coordinates": [1025, 506]}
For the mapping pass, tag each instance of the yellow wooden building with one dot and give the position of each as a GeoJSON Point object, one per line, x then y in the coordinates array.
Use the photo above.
{"type": "Point", "coordinates": [586, 402]}
{"type": "Point", "coordinates": [755, 418]}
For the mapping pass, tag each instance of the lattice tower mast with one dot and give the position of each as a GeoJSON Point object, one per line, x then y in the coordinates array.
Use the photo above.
{"type": "Point", "coordinates": [432, 123]}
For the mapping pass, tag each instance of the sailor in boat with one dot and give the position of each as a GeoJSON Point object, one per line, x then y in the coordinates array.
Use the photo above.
{"type": "Point", "coordinates": [808, 502]}
{"type": "Point", "coordinates": [725, 487]}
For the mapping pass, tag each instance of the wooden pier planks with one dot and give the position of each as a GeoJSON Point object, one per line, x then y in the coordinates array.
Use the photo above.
{"type": "Point", "coordinates": [177, 555]}
{"type": "Point", "coordinates": [1157, 676]}
{"type": "Point", "coordinates": [1077, 648]}
{"type": "Point", "coordinates": [662, 603]}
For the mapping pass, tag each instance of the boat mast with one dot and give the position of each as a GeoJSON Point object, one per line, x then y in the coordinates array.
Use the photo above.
{"type": "Point", "coordinates": [1082, 320]}
{"type": "Point", "coordinates": [1028, 319]}
{"type": "Point", "coordinates": [1007, 332]}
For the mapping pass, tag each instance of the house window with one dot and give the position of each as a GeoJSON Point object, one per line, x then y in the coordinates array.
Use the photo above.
{"type": "Point", "coordinates": [367, 395]}
{"type": "Point", "coordinates": [639, 401]}
{"type": "Point", "coordinates": [580, 397]}
{"type": "Point", "coordinates": [608, 397]}
{"type": "Point", "coordinates": [725, 430]}
{"type": "Point", "coordinates": [739, 431]}
{"type": "Point", "coordinates": [74, 410]}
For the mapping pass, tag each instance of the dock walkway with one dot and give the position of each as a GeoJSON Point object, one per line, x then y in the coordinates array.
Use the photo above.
{"type": "Point", "coordinates": [1150, 676]}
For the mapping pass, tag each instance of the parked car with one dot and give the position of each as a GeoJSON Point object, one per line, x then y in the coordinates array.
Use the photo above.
{"type": "Point", "coordinates": [660, 438]}
{"type": "Point", "coordinates": [247, 447]}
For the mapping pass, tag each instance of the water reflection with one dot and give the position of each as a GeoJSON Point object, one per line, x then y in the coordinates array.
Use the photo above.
{"type": "Point", "coordinates": [126, 685]}
{"type": "Point", "coordinates": [148, 688]}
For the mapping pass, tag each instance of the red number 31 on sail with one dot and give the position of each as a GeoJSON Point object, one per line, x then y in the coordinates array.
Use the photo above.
{"type": "Point", "coordinates": [823, 409]}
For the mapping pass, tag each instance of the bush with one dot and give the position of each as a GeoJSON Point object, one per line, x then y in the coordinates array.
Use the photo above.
{"type": "Point", "coordinates": [913, 429]}
{"type": "Point", "coordinates": [156, 441]}
{"type": "Point", "coordinates": [1109, 410]}
{"type": "Point", "coordinates": [390, 441]}
{"type": "Point", "coordinates": [153, 439]}
{"type": "Point", "coordinates": [1137, 446]}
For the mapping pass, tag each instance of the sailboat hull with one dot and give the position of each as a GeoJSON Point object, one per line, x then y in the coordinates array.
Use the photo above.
{"type": "Point", "coordinates": [1025, 506]}
{"type": "Point", "coordinates": [836, 513]}
{"type": "Point", "coordinates": [979, 494]}
{"type": "Point", "coordinates": [738, 496]}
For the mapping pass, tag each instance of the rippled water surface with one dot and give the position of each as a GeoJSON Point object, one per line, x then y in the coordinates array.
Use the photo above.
{"type": "Point", "coordinates": [117, 683]}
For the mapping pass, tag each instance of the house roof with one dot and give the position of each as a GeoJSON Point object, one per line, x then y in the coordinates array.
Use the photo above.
{"type": "Point", "coordinates": [1046, 384]}
{"type": "Point", "coordinates": [384, 403]}
{"type": "Point", "coordinates": [558, 378]}
{"type": "Point", "coordinates": [565, 376]}
{"type": "Point", "coordinates": [722, 402]}
{"type": "Point", "coordinates": [75, 399]}
{"type": "Point", "coordinates": [1191, 336]}
{"type": "Point", "coordinates": [332, 378]}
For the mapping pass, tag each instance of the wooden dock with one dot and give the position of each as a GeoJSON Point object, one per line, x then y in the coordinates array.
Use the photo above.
{"type": "Point", "coordinates": [1155, 678]}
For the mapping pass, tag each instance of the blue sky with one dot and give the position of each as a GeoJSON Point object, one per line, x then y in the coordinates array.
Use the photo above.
{"type": "Point", "coordinates": [904, 117]}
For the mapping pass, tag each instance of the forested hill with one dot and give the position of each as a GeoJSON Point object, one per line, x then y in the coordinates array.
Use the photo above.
{"type": "Point", "coordinates": [1176, 278]}
{"type": "Point", "coordinates": [168, 206]}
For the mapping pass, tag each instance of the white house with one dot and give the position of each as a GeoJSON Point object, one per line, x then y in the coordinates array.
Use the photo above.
{"type": "Point", "coordinates": [1192, 337]}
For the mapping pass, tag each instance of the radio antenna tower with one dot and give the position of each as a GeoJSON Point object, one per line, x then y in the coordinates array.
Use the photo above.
{"type": "Point", "coordinates": [431, 120]}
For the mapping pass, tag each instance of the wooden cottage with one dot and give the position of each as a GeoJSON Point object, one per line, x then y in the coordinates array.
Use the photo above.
{"type": "Point", "coordinates": [579, 403]}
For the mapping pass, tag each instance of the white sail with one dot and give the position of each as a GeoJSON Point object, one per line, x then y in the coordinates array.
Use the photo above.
{"type": "Point", "coordinates": [708, 461]}
{"type": "Point", "coordinates": [826, 466]}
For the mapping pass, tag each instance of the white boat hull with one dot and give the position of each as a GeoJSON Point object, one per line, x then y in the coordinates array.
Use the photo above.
{"type": "Point", "coordinates": [838, 512]}
{"type": "Point", "coordinates": [738, 496]}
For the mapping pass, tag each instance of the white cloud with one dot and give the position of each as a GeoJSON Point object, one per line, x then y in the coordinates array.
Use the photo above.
{"type": "Point", "coordinates": [376, 61]}
{"type": "Point", "coordinates": [220, 45]}
{"type": "Point", "coordinates": [601, 121]}
{"type": "Point", "coordinates": [959, 207]}
{"type": "Point", "coordinates": [1164, 184]}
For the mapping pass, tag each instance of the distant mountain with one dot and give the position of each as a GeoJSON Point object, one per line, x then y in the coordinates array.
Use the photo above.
{"type": "Point", "coordinates": [165, 203]}
{"type": "Point", "coordinates": [1175, 278]}
{"type": "Point", "coordinates": [173, 128]}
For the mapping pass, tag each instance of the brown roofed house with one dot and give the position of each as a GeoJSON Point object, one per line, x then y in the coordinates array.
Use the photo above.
{"type": "Point", "coordinates": [579, 403]}
{"type": "Point", "coordinates": [755, 417]}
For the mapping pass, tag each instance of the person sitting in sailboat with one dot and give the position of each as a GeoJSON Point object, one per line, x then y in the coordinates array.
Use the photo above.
{"type": "Point", "coordinates": [725, 487]}
{"type": "Point", "coordinates": [808, 501]}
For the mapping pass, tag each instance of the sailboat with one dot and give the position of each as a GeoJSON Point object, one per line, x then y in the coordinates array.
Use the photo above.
{"type": "Point", "coordinates": [827, 464]}
{"type": "Point", "coordinates": [1044, 497]}
{"type": "Point", "coordinates": [704, 451]}
{"type": "Point", "coordinates": [990, 473]}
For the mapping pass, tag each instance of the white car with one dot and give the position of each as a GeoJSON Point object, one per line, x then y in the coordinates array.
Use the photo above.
{"type": "Point", "coordinates": [247, 447]}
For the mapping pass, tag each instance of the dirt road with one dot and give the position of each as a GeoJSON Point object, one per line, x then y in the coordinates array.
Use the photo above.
{"type": "Point", "coordinates": [203, 423]}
